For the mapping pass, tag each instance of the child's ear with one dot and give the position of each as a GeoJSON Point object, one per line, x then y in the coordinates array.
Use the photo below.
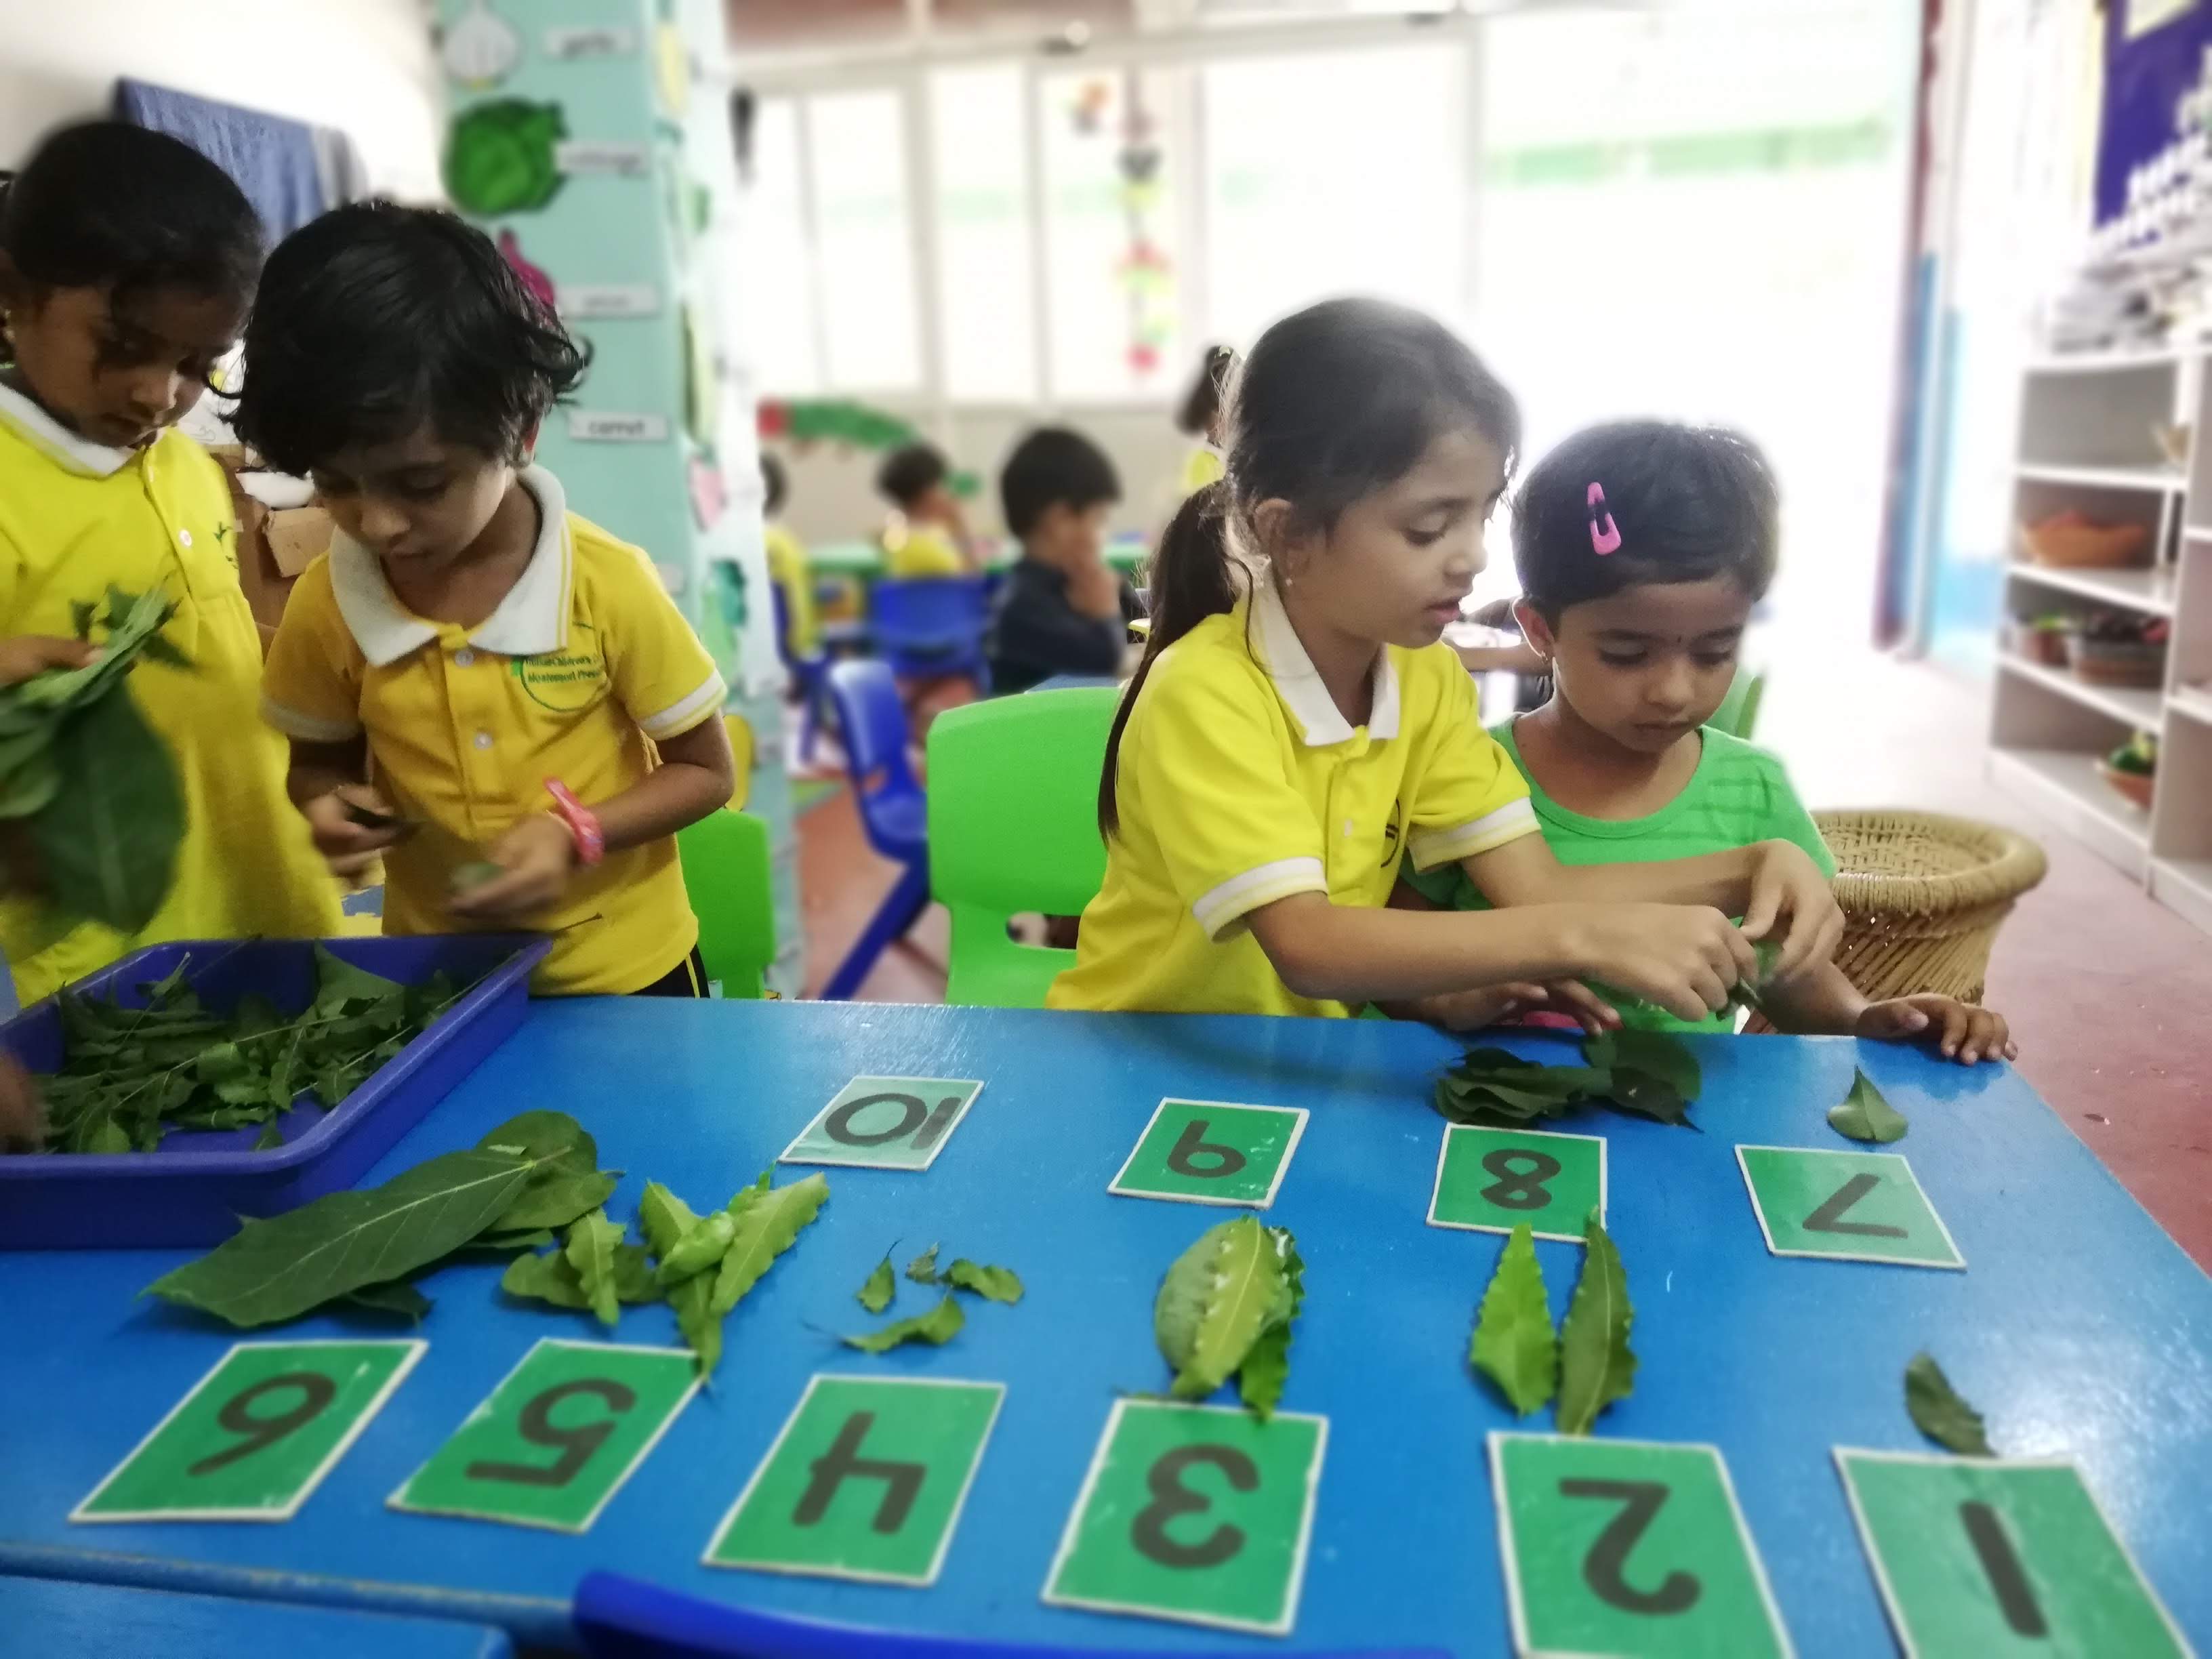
{"type": "Point", "coordinates": [1534, 629]}
{"type": "Point", "coordinates": [527, 449]}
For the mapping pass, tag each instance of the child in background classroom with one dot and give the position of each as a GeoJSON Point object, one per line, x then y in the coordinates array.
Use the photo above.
{"type": "Point", "coordinates": [126, 263]}
{"type": "Point", "coordinates": [1200, 417]}
{"type": "Point", "coordinates": [530, 698]}
{"type": "Point", "coordinates": [786, 564]}
{"type": "Point", "coordinates": [1296, 729]}
{"type": "Point", "coordinates": [1063, 609]}
{"type": "Point", "coordinates": [1641, 547]}
{"type": "Point", "coordinates": [927, 535]}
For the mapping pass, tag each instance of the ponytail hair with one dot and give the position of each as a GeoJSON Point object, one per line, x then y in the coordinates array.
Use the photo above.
{"type": "Point", "coordinates": [1335, 402]}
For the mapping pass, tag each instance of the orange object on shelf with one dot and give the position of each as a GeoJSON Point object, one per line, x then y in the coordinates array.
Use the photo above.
{"type": "Point", "coordinates": [2073, 541]}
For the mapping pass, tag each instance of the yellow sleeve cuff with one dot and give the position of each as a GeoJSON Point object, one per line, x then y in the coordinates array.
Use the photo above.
{"type": "Point", "coordinates": [1431, 847]}
{"type": "Point", "coordinates": [1220, 909]}
{"type": "Point", "coordinates": [307, 728]}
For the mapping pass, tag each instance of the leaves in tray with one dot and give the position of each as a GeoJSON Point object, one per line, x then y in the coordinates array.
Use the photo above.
{"type": "Point", "coordinates": [768, 1224]}
{"type": "Point", "coordinates": [937, 1327]}
{"type": "Point", "coordinates": [923, 1268]}
{"type": "Point", "coordinates": [875, 1294]}
{"type": "Point", "coordinates": [1864, 1115]}
{"type": "Point", "coordinates": [394, 1296]}
{"type": "Point", "coordinates": [1513, 1343]}
{"type": "Point", "coordinates": [1596, 1365]}
{"type": "Point", "coordinates": [279, 1269]}
{"type": "Point", "coordinates": [1215, 1301]}
{"type": "Point", "coordinates": [1267, 1367]}
{"type": "Point", "coordinates": [992, 1284]}
{"type": "Point", "coordinates": [1938, 1411]}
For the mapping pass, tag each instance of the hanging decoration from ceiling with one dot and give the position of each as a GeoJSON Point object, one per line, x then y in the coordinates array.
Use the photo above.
{"type": "Point", "coordinates": [1143, 270]}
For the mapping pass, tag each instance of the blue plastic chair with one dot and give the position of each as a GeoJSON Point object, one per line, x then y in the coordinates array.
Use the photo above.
{"type": "Point", "coordinates": [928, 630]}
{"type": "Point", "coordinates": [809, 673]}
{"type": "Point", "coordinates": [622, 1618]}
{"type": "Point", "coordinates": [893, 812]}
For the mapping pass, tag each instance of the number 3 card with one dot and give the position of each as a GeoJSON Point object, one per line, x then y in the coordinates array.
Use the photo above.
{"type": "Point", "coordinates": [257, 1434]}
{"type": "Point", "coordinates": [557, 1438]}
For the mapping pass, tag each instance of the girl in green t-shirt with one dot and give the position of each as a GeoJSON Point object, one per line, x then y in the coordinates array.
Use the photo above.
{"type": "Point", "coordinates": [1641, 547]}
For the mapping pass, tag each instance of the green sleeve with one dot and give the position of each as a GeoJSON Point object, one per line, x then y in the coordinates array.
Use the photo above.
{"type": "Point", "coordinates": [1446, 886]}
{"type": "Point", "coordinates": [1788, 820]}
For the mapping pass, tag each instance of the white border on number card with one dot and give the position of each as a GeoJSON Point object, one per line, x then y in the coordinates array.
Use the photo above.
{"type": "Point", "coordinates": [414, 1346]}
{"type": "Point", "coordinates": [1293, 1582]}
{"type": "Point", "coordinates": [1443, 1149]}
{"type": "Point", "coordinates": [1522, 1648]}
{"type": "Point", "coordinates": [973, 1088]}
{"type": "Point", "coordinates": [810, 1570]}
{"type": "Point", "coordinates": [399, 1499]}
{"type": "Point", "coordinates": [1957, 1264]}
{"type": "Point", "coordinates": [1843, 1457]}
{"type": "Point", "coordinates": [1266, 1201]}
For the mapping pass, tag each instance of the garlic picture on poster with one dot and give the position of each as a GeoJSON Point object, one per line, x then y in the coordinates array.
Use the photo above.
{"type": "Point", "coordinates": [482, 48]}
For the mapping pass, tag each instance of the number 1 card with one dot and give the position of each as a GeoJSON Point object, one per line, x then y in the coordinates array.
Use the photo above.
{"type": "Point", "coordinates": [885, 1123]}
{"type": "Point", "coordinates": [257, 1434]}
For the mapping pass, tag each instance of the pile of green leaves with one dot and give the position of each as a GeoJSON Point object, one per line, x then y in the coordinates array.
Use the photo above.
{"type": "Point", "coordinates": [94, 789]}
{"type": "Point", "coordinates": [130, 1075]}
{"type": "Point", "coordinates": [1647, 1073]}
{"type": "Point", "coordinates": [942, 1322]}
{"type": "Point", "coordinates": [1225, 1307]}
{"type": "Point", "coordinates": [1587, 1363]}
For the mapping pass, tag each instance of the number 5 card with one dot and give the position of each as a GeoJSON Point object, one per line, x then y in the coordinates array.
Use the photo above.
{"type": "Point", "coordinates": [257, 1434]}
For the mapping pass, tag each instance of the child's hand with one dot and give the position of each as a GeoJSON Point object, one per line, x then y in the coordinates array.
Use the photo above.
{"type": "Point", "coordinates": [1499, 1004]}
{"type": "Point", "coordinates": [537, 856]}
{"type": "Point", "coordinates": [1785, 883]}
{"type": "Point", "coordinates": [1684, 957]}
{"type": "Point", "coordinates": [22, 1114]}
{"type": "Point", "coordinates": [30, 654]}
{"type": "Point", "coordinates": [1959, 1031]}
{"type": "Point", "coordinates": [347, 844]}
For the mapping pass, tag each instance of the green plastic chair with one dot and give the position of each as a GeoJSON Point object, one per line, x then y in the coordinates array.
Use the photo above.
{"type": "Point", "coordinates": [1013, 827]}
{"type": "Point", "coordinates": [1739, 711]}
{"type": "Point", "coordinates": [726, 869]}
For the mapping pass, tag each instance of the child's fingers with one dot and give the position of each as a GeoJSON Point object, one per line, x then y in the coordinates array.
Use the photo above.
{"type": "Point", "coordinates": [1766, 905]}
{"type": "Point", "coordinates": [33, 654]}
{"type": "Point", "coordinates": [1955, 1017]}
{"type": "Point", "coordinates": [1891, 1022]}
{"type": "Point", "coordinates": [1573, 997]}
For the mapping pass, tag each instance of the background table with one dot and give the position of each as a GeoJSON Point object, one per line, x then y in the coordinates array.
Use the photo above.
{"type": "Point", "coordinates": [863, 559]}
{"type": "Point", "coordinates": [2078, 1328]}
{"type": "Point", "coordinates": [51, 1617]}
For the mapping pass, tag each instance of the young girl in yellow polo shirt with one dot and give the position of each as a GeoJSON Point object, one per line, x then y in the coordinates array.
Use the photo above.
{"type": "Point", "coordinates": [126, 261]}
{"type": "Point", "coordinates": [530, 697]}
{"type": "Point", "coordinates": [1297, 729]}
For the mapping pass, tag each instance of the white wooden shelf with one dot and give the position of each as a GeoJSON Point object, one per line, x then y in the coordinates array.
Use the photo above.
{"type": "Point", "coordinates": [2136, 709]}
{"type": "Point", "coordinates": [2103, 363]}
{"type": "Point", "coordinates": [2133, 589]}
{"type": "Point", "coordinates": [2192, 702]}
{"type": "Point", "coordinates": [2185, 885]}
{"type": "Point", "coordinates": [2156, 480]}
{"type": "Point", "coordinates": [2064, 784]}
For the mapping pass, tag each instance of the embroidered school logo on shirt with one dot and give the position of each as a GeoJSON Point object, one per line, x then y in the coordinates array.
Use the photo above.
{"type": "Point", "coordinates": [1392, 832]}
{"type": "Point", "coordinates": [564, 681]}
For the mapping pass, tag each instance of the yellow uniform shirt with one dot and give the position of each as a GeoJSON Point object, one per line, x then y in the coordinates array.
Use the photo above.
{"type": "Point", "coordinates": [76, 517]}
{"type": "Point", "coordinates": [788, 569]}
{"type": "Point", "coordinates": [1203, 466]}
{"type": "Point", "coordinates": [912, 550]}
{"type": "Point", "coordinates": [585, 661]}
{"type": "Point", "coordinates": [1240, 783]}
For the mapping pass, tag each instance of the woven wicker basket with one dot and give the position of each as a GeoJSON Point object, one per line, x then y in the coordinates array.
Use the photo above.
{"type": "Point", "coordinates": [1924, 894]}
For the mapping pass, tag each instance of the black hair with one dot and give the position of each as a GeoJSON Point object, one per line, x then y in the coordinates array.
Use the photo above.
{"type": "Point", "coordinates": [376, 320]}
{"type": "Point", "coordinates": [1335, 402]}
{"type": "Point", "coordinates": [105, 204]}
{"type": "Point", "coordinates": [911, 471]}
{"type": "Point", "coordinates": [1052, 464]}
{"type": "Point", "coordinates": [1686, 503]}
{"type": "Point", "coordinates": [775, 484]}
{"type": "Point", "coordinates": [1202, 403]}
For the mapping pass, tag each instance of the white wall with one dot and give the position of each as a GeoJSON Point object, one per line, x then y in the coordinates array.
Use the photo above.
{"type": "Point", "coordinates": [362, 66]}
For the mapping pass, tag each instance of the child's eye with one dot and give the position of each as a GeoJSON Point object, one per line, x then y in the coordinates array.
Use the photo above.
{"type": "Point", "coordinates": [1620, 659]}
{"type": "Point", "coordinates": [326, 485]}
{"type": "Point", "coordinates": [1714, 658]}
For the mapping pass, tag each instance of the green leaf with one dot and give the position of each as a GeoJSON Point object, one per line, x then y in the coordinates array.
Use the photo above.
{"type": "Point", "coordinates": [1596, 1365]}
{"type": "Point", "coordinates": [550, 1277]}
{"type": "Point", "coordinates": [665, 1218]}
{"type": "Point", "coordinates": [992, 1284]}
{"type": "Point", "coordinates": [882, 1284]}
{"type": "Point", "coordinates": [395, 1296]}
{"type": "Point", "coordinates": [1939, 1413]}
{"type": "Point", "coordinates": [270, 1138]}
{"type": "Point", "coordinates": [1864, 1115]}
{"type": "Point", "coordinates": [700, 1250]}
{"type": "Point", "coordinates": [1266, 1368]}
{"type": "Point", "coordinates": [1493, 1085]}
{"type": "Point", "coordinates": [282, 1268]}
{"type": "Point", "coordinates": [535, 1239]}
{"type": "Point", "coordinates": [767, 1226]}
{"type": "Point", "coordinates": [591, 1251]}
{"type": "Point", "coordinates": [339, 983]}
{"type": "Point", "coordinates": [1631, 1055]}
{"type": "Point", "coordinates": [922, 1270]}
{"type": "Point", "coordinates": [1513, 1344]}
{"type": "Point", "coordinates": [937, 1327]}
{"type": "Point", "coordinates": [107, 841]}
{"type": "Point", "coordinates": [1216, 1300]}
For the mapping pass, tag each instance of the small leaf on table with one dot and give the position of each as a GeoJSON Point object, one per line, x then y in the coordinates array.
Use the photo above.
{"type": "Point", "coordinates": [1938, 1411]}
{"type": "Point", "coordinates": [1513, 1343]}
{"type": "Point", "coordinates": [1864, 1115]}
{"type": "Point", "coordinates": [1596, 1365]}
{"type": "Point", "coordinates": [922, 1270]}
{"type": "Point", "coordinates": [937, 1327]}
{"type": "Point", "coordinates": [992, 1284]}
{"type": "Point", "coordinates": [875, 1295]}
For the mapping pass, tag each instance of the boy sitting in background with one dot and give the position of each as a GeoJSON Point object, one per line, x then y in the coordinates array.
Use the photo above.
{"type": "Point", "coordinates": [927, 535]}
{"type": "Point", "coordinates": [1063, 609]}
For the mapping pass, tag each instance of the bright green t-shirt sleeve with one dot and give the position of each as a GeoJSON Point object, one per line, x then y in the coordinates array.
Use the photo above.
{"type": "Point", "coordinates": [1788, 820]}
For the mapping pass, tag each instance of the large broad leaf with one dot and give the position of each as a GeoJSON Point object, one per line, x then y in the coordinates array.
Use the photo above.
{"type": "Point", "coordinates": [767, 1226]}
{"type": "Point", "coordinates": [1864, 1115]}
{"type": "Point", "coordinates": [992, 1284]}
{"type": "Point", "coordinates": [570, 1185]}
{"type": "Point", "coordinates": [282, 1268]}
{"type": "Point", "coordinates": [1242, 1287]}
{"type": "Point", "coordinates": [1266, 1369]}
{"type": "Point", "coordinates": [1938, 1411]}
{"type": "Point", "coordinates": [1596, 1366]}
{"type": "Point", "coordinates": [107, 841]}
{"type": "Point", "coordinates": [938, 1327]}
{"type": "Point", "coordinates": [1513, 1344]}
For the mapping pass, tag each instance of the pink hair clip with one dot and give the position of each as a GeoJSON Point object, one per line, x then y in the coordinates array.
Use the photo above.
{"type": "Point", "coordinates": [1605, 534]}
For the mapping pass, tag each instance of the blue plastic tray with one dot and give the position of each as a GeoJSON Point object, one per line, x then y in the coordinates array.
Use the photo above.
{"type": "Point", "coordinates": [193, 1188]}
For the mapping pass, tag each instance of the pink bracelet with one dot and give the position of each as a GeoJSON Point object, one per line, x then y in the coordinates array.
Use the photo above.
{"type": "Point", "coordinates": [583, 823]}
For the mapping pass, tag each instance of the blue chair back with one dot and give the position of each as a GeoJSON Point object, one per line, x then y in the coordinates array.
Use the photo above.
{"type": "Point", "coordinates": [931, 627]}
{"type": "Point", "coordinates": [871, 723]}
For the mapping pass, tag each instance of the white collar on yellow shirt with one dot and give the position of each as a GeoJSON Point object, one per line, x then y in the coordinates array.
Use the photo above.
{"type": "Point", "coordinates": [42, 429]}
{"type": "Point", "coordinates": [531, 620]}
{"type": "Point", "coordinates": [1298, 682]}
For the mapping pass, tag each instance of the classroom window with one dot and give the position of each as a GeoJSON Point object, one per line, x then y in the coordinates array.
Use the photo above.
{"type": "Point", "coordinates": [779, 316]}
{"type": "Point", "coordinates": [986, 309]}
{"type": "Point", "coordinates": [863, 245]}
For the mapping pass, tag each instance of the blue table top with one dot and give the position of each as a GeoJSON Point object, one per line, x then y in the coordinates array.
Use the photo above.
{"type": "Point", "coordinates": [52, 1616]}
{"type": "Point", "coordinates": [2079, 1328]}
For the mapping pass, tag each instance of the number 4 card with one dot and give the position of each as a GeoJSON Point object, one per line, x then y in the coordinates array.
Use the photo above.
{"type": "Point", "coordinates": [1850, 1206]}
{"type": "Point", "coordinates": [1628, 1547]}
{"type": "Point", "coordinates": [558, 1437]}
{"type": "Point", "coordinates": [885, 1123]}
{"type": "Point", "coordinates": [256, 1435]}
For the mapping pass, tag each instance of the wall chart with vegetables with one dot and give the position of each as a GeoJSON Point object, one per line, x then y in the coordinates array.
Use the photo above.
{"type": "Point", "coordinates": [1323, 1331]}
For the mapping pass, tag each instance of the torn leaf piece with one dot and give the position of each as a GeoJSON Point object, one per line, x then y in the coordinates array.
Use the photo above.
{"type": "Point", "coordinates": [992, 1284]}
{"type": "Point", "coordinates": [937, 1327]}
{"type": "Point", "coordinates": [875, 1295]}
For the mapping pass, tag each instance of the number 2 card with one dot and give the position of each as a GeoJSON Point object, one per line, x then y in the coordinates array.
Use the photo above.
{"type": "Point", "coordinates": [558, 1437]}
{"type": "Point", "coordinates": [885, 1123]}
{"type": "Point", "coordinates": [256, 1435]}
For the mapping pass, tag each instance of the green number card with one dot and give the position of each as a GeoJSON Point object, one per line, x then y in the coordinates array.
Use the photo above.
{"type": "Point", "coordinates": [1628, 1547]}
{"type": "Point", "coordinates": [1206, 1151]}
{"type": "Point", "coordinates": [866, 1481]}
{"type": "Point", "coordinates": [558, 1437]}
{"type": "Point", "coordinates": [1490, 1181]}
{"type": "Point", "coordinates": [885, 1123]}
{"type": "Point", "coordinates": [257, 1434]}
{"type": "Point", "coordinates": [1199, 1514]}
{"type": "Point", "coordinates": [1851, 1206]}
{"type": "Point", "coordinates": [2000, 1559]}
